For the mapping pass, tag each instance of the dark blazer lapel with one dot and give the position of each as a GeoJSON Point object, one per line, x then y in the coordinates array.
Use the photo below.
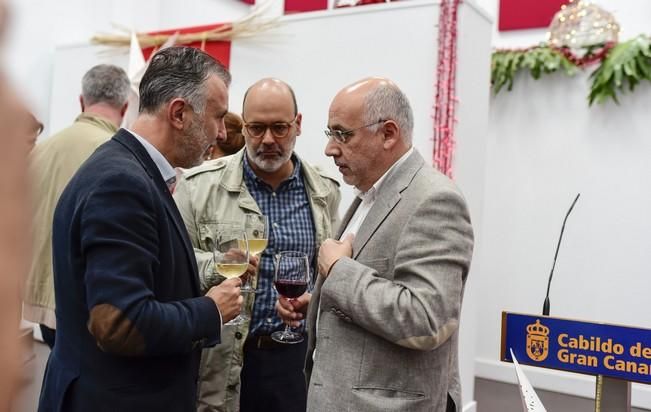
{"type": "Point", "coordinates": [173, 211]}
{"type": "Point", "coordinates": [130, 142]}
{"type": "Point", "coordinates": [388, 198]}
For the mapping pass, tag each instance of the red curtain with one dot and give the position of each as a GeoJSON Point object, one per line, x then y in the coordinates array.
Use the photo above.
{"type": "Point", "coordinates": [527, 14]}
{"type": "Point", "coordinates": [296, 6]}
{"type": "Point", "coordinates": [220, 50]}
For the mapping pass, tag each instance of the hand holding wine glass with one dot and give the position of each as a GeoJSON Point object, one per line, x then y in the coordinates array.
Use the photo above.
{"type": "Point", "coordinates": [228, 298]}
{"type": "Point", "coordinates": [292, 311]}
{"type": "Point", "coordinates": [290, 280]}
{"type": "Point", "coordinates": [231, 255]}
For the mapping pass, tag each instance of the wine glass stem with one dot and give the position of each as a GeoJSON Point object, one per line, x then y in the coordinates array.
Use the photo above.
{"type": "Point", "coordinates": [248, 283]}
{"type": "Point", "coordinates": [288, 330]}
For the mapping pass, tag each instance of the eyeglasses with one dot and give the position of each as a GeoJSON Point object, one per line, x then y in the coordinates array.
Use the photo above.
{"type": "Point", "coordinates": [279, 130]}
{"type": "Point", "coordinates": [342, 136]}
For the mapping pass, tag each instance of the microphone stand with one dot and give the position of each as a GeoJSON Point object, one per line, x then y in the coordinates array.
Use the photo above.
{"type": "Point", "coordinates": [545, 310]}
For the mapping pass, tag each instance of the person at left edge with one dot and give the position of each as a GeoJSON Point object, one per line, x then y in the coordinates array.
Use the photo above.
{"type": "Point", "coordinates": [131, 322]}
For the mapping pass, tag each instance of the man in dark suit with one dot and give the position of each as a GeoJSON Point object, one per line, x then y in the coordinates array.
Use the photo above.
{"type": "Point", "coordinates": [131, 322]}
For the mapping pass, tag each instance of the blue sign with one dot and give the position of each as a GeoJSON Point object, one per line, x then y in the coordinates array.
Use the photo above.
{"type": "Point", "coordinates": [583, 347]}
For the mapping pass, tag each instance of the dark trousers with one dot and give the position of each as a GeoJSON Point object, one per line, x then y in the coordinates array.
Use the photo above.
{"type": "Point", "coordinates": [48, 335]}
{"type": "Point", "coordinates": [272, 377]}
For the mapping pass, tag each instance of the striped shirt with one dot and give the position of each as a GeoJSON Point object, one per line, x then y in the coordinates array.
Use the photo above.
{"type": "Point", "coordinates": [290, 228]}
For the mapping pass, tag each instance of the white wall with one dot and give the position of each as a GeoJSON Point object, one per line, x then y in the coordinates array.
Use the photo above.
{"type": "Point", "coordinates": [469, 165]}
{"type": "Point", "coordinates": [38, 27]}
{"type": "Point", "coordinates": [544, 145]}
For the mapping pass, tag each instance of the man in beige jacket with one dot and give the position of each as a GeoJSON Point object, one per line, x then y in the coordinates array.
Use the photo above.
{"type": "Point", "coordinates": [248, 371]}
{"type": "Point", "coordinates": [53, 162]}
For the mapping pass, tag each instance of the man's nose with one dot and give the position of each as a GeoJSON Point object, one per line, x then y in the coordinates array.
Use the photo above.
{"type": "Point", "coordinates": [332, 148]}
{"type": "Point", "coordinates": [222, 134]}
{"type": "Point", "coordinates": [268, 137]}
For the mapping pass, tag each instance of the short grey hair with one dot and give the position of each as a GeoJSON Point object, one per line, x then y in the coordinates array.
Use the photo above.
{"type": "Point", "coordinates": [107, 84]}
{"type": "Point", "coordinates": [388, 102]}
{"type": "Point", "coordinates": [179, 72]}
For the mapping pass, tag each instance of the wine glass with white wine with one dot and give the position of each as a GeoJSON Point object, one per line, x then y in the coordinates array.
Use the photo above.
{"type": "Point", "coordinates": [257, 234]}
{"type": "Point", "coordinates": [231, 255]}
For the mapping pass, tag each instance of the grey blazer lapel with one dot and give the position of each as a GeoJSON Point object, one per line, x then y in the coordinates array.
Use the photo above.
{"type": "Point", "coordinates": [388, 198]}
{"type": "Point", "coordinates": [313, 308]}
{"type": "Point", "coordinates": [316, 293]}
{"type": "Point", "coordinates": [349, 214]}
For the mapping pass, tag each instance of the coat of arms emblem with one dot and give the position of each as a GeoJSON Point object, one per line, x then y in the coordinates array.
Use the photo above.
{"type": "Point", "coordinates": [537, 341]}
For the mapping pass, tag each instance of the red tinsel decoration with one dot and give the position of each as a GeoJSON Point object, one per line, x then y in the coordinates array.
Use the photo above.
{"type": "Point", "coordinates": [588, 58]}
{"type": "Point", "coordinates": [446, 99]}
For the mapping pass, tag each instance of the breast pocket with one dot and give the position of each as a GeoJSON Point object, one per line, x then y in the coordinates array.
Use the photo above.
{"type": "Point", "coordinates": [207, 230]}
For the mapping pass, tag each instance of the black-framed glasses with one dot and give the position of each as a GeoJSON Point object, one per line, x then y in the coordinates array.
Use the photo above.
{"type": "Point", "coordinates": [279, 130]}
{"type": "Point", "coordinates": [342, 136]}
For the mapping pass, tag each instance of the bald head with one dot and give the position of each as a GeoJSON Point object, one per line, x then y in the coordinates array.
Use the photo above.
{"type": "Point", "coordinates": [379, 98]}
{"type": "Point", "coordinates": [374, 124]}
{"type": "Point", "coordinates": [270, 89]}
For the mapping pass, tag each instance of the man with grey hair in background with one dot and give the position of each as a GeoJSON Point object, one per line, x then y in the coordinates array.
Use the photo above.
{"type": "Point", "coordinates": [103, 101]}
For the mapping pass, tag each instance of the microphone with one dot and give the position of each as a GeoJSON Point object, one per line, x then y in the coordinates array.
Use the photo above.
{"type": "Point", "coordinates": [545, 310]}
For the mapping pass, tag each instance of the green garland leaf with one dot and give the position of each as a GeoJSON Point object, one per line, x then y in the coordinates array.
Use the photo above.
{"type": "Point", "coordinates": [627, 63]}
{"type": "Point", "coordinates": [539, 60]}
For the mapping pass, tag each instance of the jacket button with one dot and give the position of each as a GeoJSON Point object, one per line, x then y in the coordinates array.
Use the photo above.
{"type": "Point", "coordinates": [238, 335]}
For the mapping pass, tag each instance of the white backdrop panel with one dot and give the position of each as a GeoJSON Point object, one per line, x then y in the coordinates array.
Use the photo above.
{"type": "Point", "coordinates": [320, 53]}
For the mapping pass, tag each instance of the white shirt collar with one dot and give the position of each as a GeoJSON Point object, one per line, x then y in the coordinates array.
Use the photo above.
{"type": "Point", "coordinates": [164, 167]}
{"type": "Point", "coordinates": [371, 193]}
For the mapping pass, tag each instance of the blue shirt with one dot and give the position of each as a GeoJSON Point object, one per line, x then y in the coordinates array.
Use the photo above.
{"type": "Point", "coordinates": [290, 228]}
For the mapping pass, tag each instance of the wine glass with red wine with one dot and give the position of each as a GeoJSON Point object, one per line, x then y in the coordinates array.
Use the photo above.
{"type": "Point", "coordinates": [290, 280]}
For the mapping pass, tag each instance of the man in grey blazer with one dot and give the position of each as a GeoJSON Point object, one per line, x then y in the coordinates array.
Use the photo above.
{"type": "Point", "coordinates": [384, 317]}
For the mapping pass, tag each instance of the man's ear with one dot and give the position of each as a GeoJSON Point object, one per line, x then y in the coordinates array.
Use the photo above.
{"type": "Point", "coordinates": [176, 112]}
{"type": "Point", "coordinates": [81, 103]}
{"type": "Point", "coordinates": [124, 108]}
{"type": "Point", "coordinates": [390, 133]}
{"type": "Point", "coordinates": [299, 119]}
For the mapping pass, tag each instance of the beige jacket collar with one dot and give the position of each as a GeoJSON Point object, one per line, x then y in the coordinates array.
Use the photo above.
{"type": "Point", "coordinates": [233, 180]}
